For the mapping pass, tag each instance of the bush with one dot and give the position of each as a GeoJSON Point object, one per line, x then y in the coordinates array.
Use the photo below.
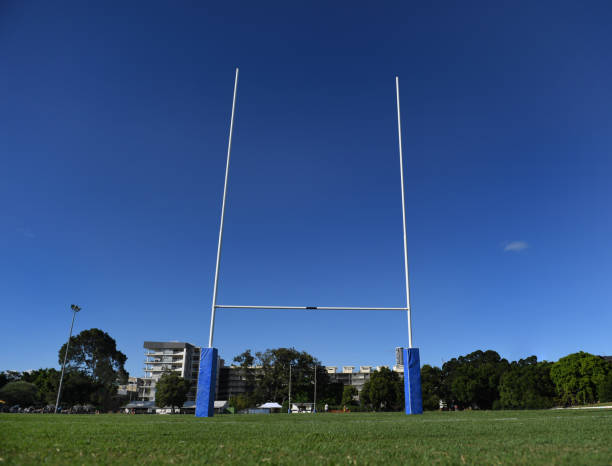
{"type": "Point", "coordinates": [19, 393]}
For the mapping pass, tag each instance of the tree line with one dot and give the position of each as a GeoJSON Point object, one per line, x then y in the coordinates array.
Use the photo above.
{"type": "Point", "coordinates": [270, 380]}
{"type": "Point", "coordinates": [266, 378]}
{"type": "Point", "coordinates": [94, 370]}
{"type": "Point", "coordinates": [479, 380]}
{"type": "Point", "coordinates": [484, 380]}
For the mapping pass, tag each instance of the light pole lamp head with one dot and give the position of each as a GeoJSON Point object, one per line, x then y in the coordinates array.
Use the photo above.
{"type": "Point", "coordinates": [75, 308]}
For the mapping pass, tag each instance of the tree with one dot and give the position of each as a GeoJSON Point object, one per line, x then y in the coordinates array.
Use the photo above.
{"type": "Point", "coordinates": [604, 390]}
{"type": "Point", "coordinates": [246, 362]}
{"type": "Point", "coordinates": [270, 381]}
{"type": "Point", "coordinates": [330, 393]}
{"type": "Point", "coordinates": [9, 376]}
{"type": "Point", "coordinates": [94, 353]}
{"type": "Point", "coordinates": [47, 381]}
{"type": "Point", "coordinates": [80, 388]}
{"type": "Point", "coordinates": [19, 393]}
{"type": "Point", "coordinates": [348, 394]}
{"type": "Point", "coordinates": [431, 382]}
{"type": "Point", "coordinates": [3, 379]}
{"type": "Point", "coordinates": [527, 385]}
{"type": "Point", "coordinates": [384, 391]}
{"type": "Point", "coordinates": [577, 377]}
{"type": "Point", "coordinates": [171, 390]}
{"type": "Point", "coordinates": [364, 396]}
{"type": "Point", "coordinates": [241, 402]}
{"type": "Point", "coordinates": [473, 380]}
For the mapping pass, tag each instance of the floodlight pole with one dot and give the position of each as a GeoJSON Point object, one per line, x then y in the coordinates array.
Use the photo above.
{"type": "Point", "coordinates": [399, 136]}
{"type": "Point", "coordinates": [216, 285]}
{"type": "Point", "coordinates": [315, 389]}
{"type": "Point", "coordinates": [75, 309]}
{"type": "Point", "coordinates": [289, 387]}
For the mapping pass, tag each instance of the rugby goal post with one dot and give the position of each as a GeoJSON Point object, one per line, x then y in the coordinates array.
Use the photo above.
{"type": "Point", "coordinates": [209, 356]}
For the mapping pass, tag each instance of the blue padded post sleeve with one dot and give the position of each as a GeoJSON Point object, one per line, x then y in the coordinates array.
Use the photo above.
{"type": "Point", "coordinates": [207, 381]}
{"type": "Point", "coordinates": [412, 381]}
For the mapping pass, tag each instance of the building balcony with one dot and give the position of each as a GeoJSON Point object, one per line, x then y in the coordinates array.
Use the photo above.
{"type": "Point", "coordinates": [162, 369]}
{"type": "Point", "coordinates": [162, 353]}
{"type": "Point", "coordinates": [166, 363]}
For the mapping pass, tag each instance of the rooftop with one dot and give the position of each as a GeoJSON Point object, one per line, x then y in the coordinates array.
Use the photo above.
{"type": "Point", "coordinates": [167, 345]}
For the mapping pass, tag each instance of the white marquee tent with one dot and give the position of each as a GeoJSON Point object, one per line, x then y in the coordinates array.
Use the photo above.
{"type": "Point", "coordinates": [270, 405]}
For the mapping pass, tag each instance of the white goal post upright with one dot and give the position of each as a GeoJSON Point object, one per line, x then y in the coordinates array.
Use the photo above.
{"type": "Point", "coordinates": [209, 356]}
{"type": "Point", "coordinates": [399, 137]}
{"type": "Point", "coordinates": [207, 376]}
{"type": "Point", "coordinates": [229, 151]}
{"type": "Point", "coordinates": [411, 358]}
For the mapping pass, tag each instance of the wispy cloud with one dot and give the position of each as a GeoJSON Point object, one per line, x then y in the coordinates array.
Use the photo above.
{"type": "Point", "coordinates": [515, 246]}
{"type": "Point", "coordinates": [26, 232]}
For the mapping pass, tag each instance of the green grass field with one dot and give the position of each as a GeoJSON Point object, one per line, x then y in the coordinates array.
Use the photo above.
{"type": "Point", "coordinates": [517, 437]}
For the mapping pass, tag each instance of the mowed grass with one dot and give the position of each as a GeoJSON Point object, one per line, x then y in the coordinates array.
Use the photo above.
{"type": "Point", "coordinates": [516, 437]}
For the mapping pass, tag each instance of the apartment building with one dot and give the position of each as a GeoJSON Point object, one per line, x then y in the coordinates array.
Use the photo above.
{"type": "Point", "coordinates": [399, 356]}
{"type": "Point", "coordinates": [232, 381]}
{"type": "Point", "coordinates": [348, 375]}
{"type": "Point", "coordinates": [131, 388]}
{"type": "Point", "coordinates": [161, 356]}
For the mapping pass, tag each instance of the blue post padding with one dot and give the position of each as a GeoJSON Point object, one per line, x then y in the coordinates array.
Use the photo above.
{"type": "Point", "coordinates": [412, 381]}
{"type": "Point", "coordinates": [207, 381]}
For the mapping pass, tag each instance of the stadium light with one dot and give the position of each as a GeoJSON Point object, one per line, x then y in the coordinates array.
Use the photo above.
{"type": "Point", "coordinates": [75, 309]}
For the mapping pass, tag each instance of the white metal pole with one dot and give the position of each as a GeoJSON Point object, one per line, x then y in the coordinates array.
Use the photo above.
{"type": "Point", "coordinates": [289, 387]}
{"type": "Point", "coordinates": [315, 390]}
{"type": "Point", "coordinates": [216, 285]}
{"type": "Point", "coordinates": [399, 135]}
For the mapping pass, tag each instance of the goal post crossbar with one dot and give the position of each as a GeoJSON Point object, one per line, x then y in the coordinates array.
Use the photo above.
{"type": "Point", "coordinates": [312, 308]}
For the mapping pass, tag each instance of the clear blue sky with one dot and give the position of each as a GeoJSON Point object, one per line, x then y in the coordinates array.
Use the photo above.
{"type": "Point", "coordinates": [113, 133]}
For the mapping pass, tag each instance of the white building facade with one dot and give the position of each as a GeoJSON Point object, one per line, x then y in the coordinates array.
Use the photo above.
{"type": "Point", "coordinates": [161, 356]}
{"type": "Point", "coordinates": [357, 379]}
